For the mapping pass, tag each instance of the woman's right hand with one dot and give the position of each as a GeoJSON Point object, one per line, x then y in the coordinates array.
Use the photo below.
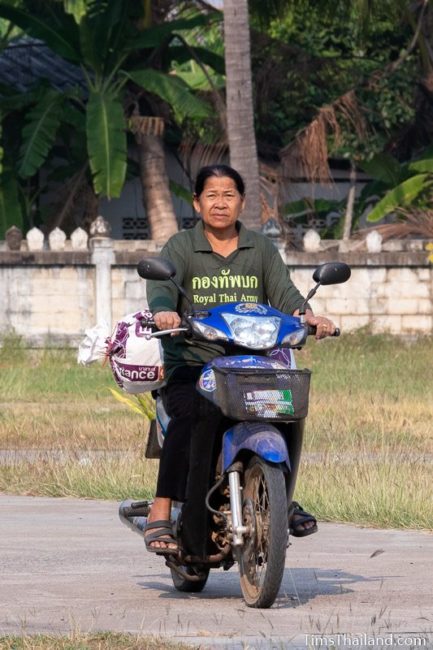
{"type": "Point", "coordinates": [167, 320]}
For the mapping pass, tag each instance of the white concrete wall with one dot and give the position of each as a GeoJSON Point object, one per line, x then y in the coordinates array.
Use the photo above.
{"type": "Point", "coordinates": [47, 304]}
{"type": "Point", "coordinates": [395, 300]}
{"type": "Point", "coordinates": [52, 297]}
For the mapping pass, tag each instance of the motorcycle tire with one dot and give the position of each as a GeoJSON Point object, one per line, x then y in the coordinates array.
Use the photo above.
{"type": "Point", "coordinates": [189, 586]}
{"type": "Point", "coordinates": [262, 556]}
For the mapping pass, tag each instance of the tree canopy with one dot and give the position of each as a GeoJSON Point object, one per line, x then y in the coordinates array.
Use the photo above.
{"type": "Point", "coordinates": [352, 80]}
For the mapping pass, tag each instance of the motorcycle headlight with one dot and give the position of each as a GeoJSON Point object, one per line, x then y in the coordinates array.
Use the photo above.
{"type": "Point", "coordinates": [208, 332]}
{"type": "Point", "coordinates": [256, 332]}
{"type": "Point", "coordinates": [295, 338]}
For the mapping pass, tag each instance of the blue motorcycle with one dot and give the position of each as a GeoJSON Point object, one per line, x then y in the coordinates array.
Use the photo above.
{"type": "Point", "coordinates": [265, 397]}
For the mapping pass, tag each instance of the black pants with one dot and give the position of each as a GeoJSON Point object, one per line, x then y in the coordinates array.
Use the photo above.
{"type": "Point", "coordinates": [180, 402]}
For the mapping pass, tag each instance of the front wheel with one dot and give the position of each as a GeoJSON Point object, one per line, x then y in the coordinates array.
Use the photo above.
{"type": "Point", "coordinates": [264, 510]}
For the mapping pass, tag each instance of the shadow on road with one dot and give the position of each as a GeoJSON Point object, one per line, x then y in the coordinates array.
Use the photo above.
{"type": "Point", "coordinates": [297, 588]}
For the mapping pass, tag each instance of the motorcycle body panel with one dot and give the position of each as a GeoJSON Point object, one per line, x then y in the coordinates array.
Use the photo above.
{"type": "Point", "coordinates": [216, 318]}
{"type": "Point", "coordinates": [262, 439]}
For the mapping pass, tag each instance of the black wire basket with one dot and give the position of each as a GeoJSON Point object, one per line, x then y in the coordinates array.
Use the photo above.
{"type": "Point", "coordinates": [262, 393]}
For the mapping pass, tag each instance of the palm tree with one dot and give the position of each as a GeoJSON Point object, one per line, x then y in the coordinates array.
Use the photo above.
{"type": "Point", "coordinates": [239, 102]}
{"type": "Point", "coordinates": [157, 201]}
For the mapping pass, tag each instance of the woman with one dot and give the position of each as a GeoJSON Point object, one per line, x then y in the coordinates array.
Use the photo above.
{"type": "Point", "coordinates": [218, 246]}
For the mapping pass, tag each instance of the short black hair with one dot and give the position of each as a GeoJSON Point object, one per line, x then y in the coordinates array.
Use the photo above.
{"type": "Point", "coordinates": [219, 171]}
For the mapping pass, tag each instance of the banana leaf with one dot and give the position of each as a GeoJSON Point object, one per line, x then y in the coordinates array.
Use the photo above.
{"type": "Point", "coordinates": [303, 207]}
{"type": "Point", "coordinates": [106, 143]}
{"type": "Point", "coordinates": [61, 37]}
{"type": "Point", "coordinates": [182, 54]}
{"type": "Point", "coordinates": [383, 167]}
{"type": "Point", "coordinates": [74, 117]}
{"type": "Point", "coordinates": [402, 195]}
{"type": "Point", "coordinates": [198, 81]}
{"type": "Point", "coordinates": [103, 32]}
{"type": "Point", "coordinates": [371, 192]}
{"type": "Point", "coordinates": [422, 166]}
{"type": "Point", "coordinates": [39, 132]}
{"type": "Point", "coordinates": [172, 90]}
{"type": "Point", "coordinates": [181, 192]}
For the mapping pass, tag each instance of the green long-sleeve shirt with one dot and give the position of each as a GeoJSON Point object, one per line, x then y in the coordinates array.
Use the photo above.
{"type": "Point", "coordinates": [254, 272]}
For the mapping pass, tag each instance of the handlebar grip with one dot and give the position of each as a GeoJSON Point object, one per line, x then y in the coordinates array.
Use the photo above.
{"type": "Point", "coordinates": [311, 331]}
{"type": "Point", "coordinates": [150, 324]}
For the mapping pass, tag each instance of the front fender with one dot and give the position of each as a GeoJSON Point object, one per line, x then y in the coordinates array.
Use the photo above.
{"type": "Point", "coordinates": [261, 438]}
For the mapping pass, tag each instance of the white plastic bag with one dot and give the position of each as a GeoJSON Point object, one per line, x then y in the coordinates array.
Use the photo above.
{"type": "Point", "coordinates": [94, 345]}
{"type": "Point", "coordinates": [135, 358]}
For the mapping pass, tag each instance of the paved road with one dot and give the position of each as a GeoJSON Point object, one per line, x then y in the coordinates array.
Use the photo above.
{"type": "Point", "coordinates": [68, 564]}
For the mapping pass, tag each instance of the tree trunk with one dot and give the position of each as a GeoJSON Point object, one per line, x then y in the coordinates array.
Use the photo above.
{"type": "Point", "coordinates": [154, 179]}
{"type": "Point", "coordinates": [348, 217]}
{"type": "Point", "coordinates": [240, 112]}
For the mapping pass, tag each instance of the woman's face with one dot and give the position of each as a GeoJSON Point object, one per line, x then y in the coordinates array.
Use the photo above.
{"type": "Point", "coordinates": [220, 203]}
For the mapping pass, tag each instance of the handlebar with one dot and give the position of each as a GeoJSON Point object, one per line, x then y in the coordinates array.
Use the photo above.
{"type": "Point", "coordinates": [185, 327]}
{"type": "Point", "coordinates": [150, 324]}
{"type": "Point", "coordinates": [311, 331]}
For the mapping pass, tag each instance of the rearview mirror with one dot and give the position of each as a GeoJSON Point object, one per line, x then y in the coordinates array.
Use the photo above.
{"type": "Point", "coordinates": [329, 273]}
{"type": "Point", "coordinates": [332, 273]}
{"type": "Point", "coordinates": [155, 268]}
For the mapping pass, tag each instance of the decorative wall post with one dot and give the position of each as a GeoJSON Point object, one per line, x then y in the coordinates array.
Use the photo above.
{"type": "Point", "coordinates": [101, 246]}
{"type": "Point", "coordinates": [13, 238]}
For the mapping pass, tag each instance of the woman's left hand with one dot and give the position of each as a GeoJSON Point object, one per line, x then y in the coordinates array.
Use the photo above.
{"type": "Point", "coordinates": [324, 326]}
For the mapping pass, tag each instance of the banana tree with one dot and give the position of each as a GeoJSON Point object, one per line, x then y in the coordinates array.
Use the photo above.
{"type": "Point", "coordinates": [397, 185]}
{"type": "Point", "coordinates": [122, 63]}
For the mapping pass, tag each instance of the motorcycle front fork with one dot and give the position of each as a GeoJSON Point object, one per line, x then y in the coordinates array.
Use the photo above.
{"type": "Point", "coordinates": [238, 529]}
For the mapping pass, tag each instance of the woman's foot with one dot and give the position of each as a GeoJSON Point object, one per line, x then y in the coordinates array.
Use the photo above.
{"type": "Point", "coordinates": [301, 523]}
{"type": "Point", "coordinates": [160, 539]}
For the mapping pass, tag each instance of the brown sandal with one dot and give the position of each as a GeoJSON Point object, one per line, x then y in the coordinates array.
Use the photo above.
{"type": "Point", "coordinates": [297, 518]}
{"type": "Point", "coordinates": [163, 532]}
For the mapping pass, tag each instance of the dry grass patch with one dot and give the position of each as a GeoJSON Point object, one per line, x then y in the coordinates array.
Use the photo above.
{"type": "Point", "coordinates": [80, 474]}
{"type": "Point", "coordinates": [101, 424]}
{"type": "Point", "coordinates": [389, 490]}
{"type": "Point", "coordinates": [102, 641]}
{"type": "Point", "coordinates": [345, 420]}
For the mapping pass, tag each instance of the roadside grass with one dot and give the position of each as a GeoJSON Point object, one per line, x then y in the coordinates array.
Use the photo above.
{"type": "Point", "coordinates": [75, 423]}
{"type": "Point", "coordinates": [101, 641]}
{"type": "Point", "coordinates": [384, 492]}
{"type": "Point", "coordinates": [368, 444]}
{"type": "Point", "coordinates": [81, 475]}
